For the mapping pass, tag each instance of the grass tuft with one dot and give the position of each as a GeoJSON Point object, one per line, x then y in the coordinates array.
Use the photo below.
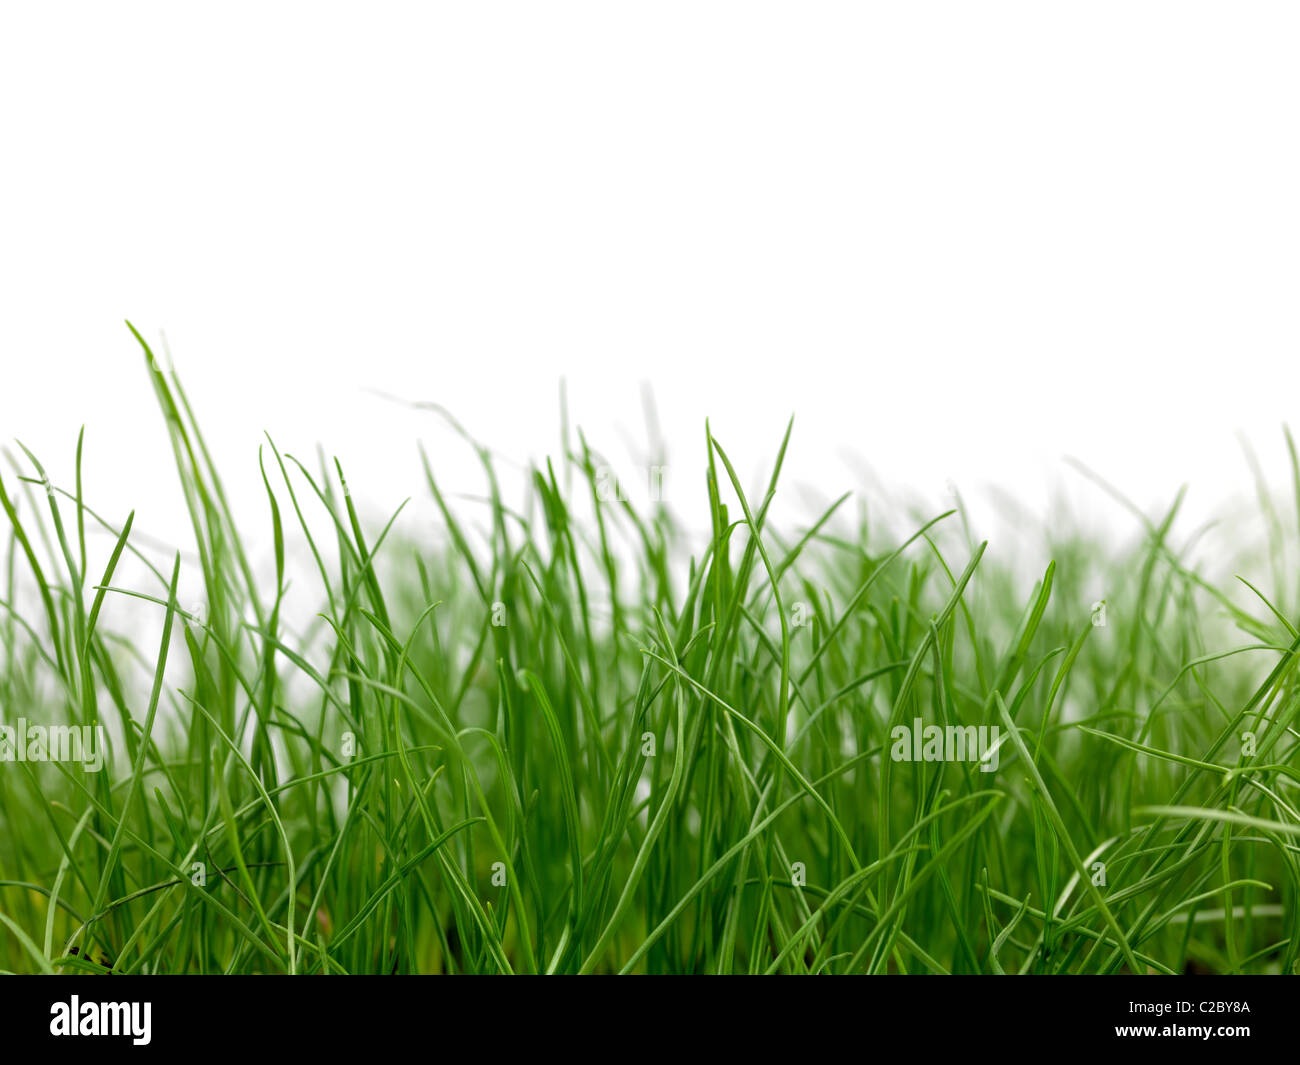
{"type": "Point", "coordinates": [566, 739]}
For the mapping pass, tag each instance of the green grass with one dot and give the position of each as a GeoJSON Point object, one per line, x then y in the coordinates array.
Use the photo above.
{"type": "Point", "coordinates": [566, 738]}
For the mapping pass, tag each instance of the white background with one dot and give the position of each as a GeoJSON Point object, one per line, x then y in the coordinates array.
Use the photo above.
{"type": "Point", "coordinates": [957, 240]}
